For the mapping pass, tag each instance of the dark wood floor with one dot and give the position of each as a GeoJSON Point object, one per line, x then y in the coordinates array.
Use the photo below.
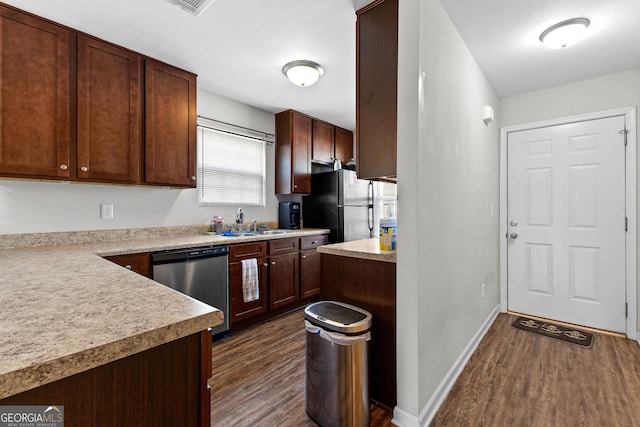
{"type": "Point", "coordinates": [514, 378]}
{"type": "Point", "coordinates": [259, 377]}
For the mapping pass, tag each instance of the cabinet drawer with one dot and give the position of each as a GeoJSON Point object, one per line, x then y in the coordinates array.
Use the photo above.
{"type": "Point", "coordinates": [281, 246]}
{"type": "Point", "coordinates": [139, 263]}
{"type": "Point", "coordinates": [312, 242]}
{"type": "Point", "coordinates": [247, 250]}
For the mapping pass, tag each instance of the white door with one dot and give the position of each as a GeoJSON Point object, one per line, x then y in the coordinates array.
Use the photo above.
{"type": "Point", "coordinates": [566, 214]}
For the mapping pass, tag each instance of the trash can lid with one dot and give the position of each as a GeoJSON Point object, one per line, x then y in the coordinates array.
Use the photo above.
{"type": "Point", "coordinates": [338, 317]}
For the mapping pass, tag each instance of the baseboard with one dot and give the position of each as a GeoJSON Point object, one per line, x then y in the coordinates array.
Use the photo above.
{"type": "Point", "coordinates": [405, 419]}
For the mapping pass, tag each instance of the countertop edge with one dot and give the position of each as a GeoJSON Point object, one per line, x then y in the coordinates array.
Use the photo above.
{"type": "Point", "coordinates": [30, 377]}
{"type": "Point", "coordinates": [363, 249]}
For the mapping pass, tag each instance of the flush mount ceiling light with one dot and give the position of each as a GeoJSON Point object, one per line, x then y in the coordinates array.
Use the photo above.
{"type": "Point", "coordinates": [303, 73]}
{"type": "Point", "coordinates": [564, 33]}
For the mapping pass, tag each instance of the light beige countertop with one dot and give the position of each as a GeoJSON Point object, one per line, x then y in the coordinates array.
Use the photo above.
{"type": "Point", "coordinates": [66, 310]}
{"type": "Point", "coordinates": [364, 249]}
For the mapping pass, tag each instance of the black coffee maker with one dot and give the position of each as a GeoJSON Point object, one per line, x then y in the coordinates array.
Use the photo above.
{"type": "Point", "coordinates": [289, 215]}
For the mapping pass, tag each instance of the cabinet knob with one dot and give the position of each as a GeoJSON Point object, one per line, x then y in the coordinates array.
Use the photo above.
{"type": "Point", "coordinates": [265, 264]}
{"type": "Point", "coordinates": [193, 178]}
{"type": "Point", "coordinates": [64, 167]}
{"type": "Point", "coordinates": [273, 263]}
{"type": "Point", "coordinates": [295, 186]}
{"type": "Point", "coordinates": [128, 267]}
{"type": "Point", "coordinates": [84, 169]}
{"type": "Point", "coordinates": [304, 257]}
{"type": "Point", "coordinates": [315, 242]}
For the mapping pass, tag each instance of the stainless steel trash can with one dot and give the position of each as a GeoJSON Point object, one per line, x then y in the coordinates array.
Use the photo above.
{"type": "Point", "coordinates": [337, 364]}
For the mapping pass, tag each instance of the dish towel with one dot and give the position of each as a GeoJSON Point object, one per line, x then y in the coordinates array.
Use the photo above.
{"type": "Point", "coordinates": [250, 288]}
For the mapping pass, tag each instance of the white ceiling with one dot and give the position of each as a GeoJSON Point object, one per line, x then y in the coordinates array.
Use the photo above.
{"type": "Point", "coordinates": [503, 36]}
{"type": "Point", "coordinates": [238, 47]}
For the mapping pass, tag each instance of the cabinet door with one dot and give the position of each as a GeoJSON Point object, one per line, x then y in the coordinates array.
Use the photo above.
{"type": "Point", "coordinates": [109, 112]}
{"type": "Point", "coordinates": [310, 273]}
{"type": "Point", "coordinates": [238, 309]}
{"type": "Point", "coordinates": [312, 242]}
{"type": "Point", "coordinates": [280, 246]}
{"type": "Point", "coordinates": [34, 96]}
{"type": "Point", "coordinates": [344, 145]}
{"type": "Point", "coordinates": [138, 263]}
{"type": "Point", "coordinates": [284, 279]}
{"type": "Point", "coordinates": [322, 142]}
{"type": "Point", "coordinates": [301, 147]}
{"type": "Point", "coordinates": [170, 131]}
{"type": "Point", "coordinates": [376, 94]}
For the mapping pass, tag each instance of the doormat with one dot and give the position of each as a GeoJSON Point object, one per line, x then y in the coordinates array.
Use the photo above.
{"type": "Point", "coordinates": [559, 332]}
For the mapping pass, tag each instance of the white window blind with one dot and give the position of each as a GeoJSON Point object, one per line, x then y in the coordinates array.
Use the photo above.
{"type": "Point", "coordinates": [231, 169]}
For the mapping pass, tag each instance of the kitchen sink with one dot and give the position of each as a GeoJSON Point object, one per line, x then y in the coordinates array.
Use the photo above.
{"type": "Point", "coordinates": [275, 231]}
{"type": "Point", "coordinates": [257, 233]}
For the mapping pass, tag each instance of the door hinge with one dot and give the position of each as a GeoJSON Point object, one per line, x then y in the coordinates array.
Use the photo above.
{"type": "Point", "coordinates": [624, 132]}
{"type": "Point", "coordinates": [626, 309]}
{"type": "Point", "coordinates": [626, 223]}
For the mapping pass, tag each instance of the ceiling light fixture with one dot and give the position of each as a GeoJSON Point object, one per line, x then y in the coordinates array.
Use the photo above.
{"type": "Point", "coordinates": [564, 33]}
{"type": "Point", "coordinates": [303, 73]}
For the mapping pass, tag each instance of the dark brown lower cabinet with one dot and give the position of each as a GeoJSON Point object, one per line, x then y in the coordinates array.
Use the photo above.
{"type": "Point", "coordinates": [139, 263]}
{"type": "Point", "coordinates": [239, 310]}
{"type": "Point", "coordinates": [370, 285]}
{"type": "Point", "coordinates": [310, 273]}
{"type": "Point", "coordinates": [162, 386]}
{"type": "Point", "coordinates": [284, 279]}
{"type": "Point", "coordinates": [290, 277]}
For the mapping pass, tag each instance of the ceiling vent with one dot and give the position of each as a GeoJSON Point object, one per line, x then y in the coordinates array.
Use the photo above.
{"type": "Point", "coordinates": [194, 7]}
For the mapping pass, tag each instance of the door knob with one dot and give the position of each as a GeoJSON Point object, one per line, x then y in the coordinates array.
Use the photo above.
{"type": "Point", "coordinates": [513, 235]}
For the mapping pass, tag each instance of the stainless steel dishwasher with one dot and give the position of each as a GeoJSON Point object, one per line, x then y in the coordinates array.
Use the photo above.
{"type": "Point", "coordinates": [201, 273]}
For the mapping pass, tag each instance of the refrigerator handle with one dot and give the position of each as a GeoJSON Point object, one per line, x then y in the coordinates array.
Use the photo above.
{"type": "Point", "coordinates": [370, 199]}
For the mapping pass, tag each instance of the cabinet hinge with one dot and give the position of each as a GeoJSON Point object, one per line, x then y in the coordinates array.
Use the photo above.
{"type": "Point", "coordinates": [624, 132]}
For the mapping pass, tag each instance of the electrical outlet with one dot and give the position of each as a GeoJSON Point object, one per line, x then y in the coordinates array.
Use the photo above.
{"type": "Point", "coordinates": [106, 210]}
{"type": "Point", "coordinates": [483, 291]}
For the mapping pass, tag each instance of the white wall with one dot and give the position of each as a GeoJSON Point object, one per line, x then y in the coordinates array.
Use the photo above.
{"type": "Point", "coordinates": [448, 177]}
{"type": "Point", "coordinates": [588, 96]}
{"type": "Point", "coordinates": [32, 206]}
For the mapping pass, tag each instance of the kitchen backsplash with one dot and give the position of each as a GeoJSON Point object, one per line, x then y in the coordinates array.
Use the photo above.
{"type": "Point", "coordinates": [14, 241]}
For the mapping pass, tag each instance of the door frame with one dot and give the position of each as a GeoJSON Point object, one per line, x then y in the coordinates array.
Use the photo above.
{"type": "Point", "coordinates": [631, 286]}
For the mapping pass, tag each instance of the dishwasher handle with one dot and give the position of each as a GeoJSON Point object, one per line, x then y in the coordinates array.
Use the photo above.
{"type": "Point", "coordinates": [182, 255]}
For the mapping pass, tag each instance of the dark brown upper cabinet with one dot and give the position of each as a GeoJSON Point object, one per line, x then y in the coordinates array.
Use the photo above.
{"type": "Point", "coordinates": [77, 108]}
{"type": "Point", "coordinates": [376, 90]}
{"type": "Point", "coordinates": [109, 112]}
{"type": "Point", "coordinates": [170, 135]}
{"type": "Point", "coordinates": [343, 145]}
{"type": "Point", "coordinates": [34, 96]}
{"type": "Point", "coordinates": [323, 142]}
{"type": "Point", "coordinates": [293, 153]}
{"type": "Point", "coordinates": [331, 143]}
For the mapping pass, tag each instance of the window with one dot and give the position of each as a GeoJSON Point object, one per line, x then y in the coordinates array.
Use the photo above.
{"type": "Point", "coordinates": [231, 168]}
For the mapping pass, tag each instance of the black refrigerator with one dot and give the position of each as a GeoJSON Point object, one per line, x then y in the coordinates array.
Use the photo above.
{"type": "Point", "coordinates": [343, 204]}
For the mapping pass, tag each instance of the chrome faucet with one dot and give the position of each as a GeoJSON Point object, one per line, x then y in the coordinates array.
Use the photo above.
{"type": "Point", "coordinates": [240, 219]}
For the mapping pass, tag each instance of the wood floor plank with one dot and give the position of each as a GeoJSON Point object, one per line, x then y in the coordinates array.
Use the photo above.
{"type": "Point", "coordinates": [516, 378]}
{"type": "Point", "coordinates": [259, 377]}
